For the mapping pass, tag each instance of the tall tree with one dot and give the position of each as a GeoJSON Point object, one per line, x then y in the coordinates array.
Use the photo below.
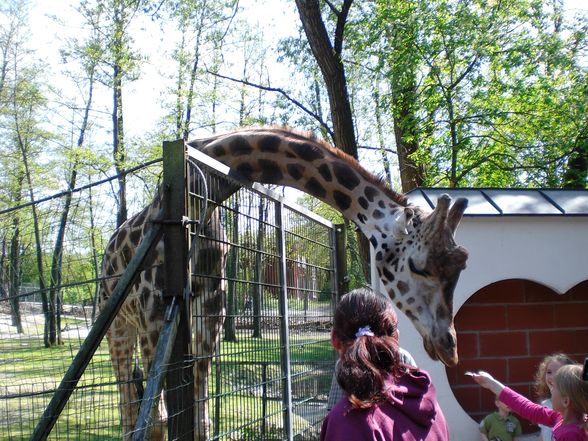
{"type": "Point", "coordinates": [478, 89]}
{"type": "Point", "coordinates": [111, 20]}
{"type": "Point", "coordinates": [203, 26]}
{"type": "Point", "coordinates": [329, 57]}
{"type": "Point", "coordinates": [28, 102]}
{"type": "Point", "coordinates": [12, 21]}
{"type": "Point", "coordinates": [75, 156]}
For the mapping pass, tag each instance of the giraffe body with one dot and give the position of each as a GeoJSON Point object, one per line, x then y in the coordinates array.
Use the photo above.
{"type": "Point", "coordinates": [141, 316]}
{"type": "Point", "coordinates": [417, 258]}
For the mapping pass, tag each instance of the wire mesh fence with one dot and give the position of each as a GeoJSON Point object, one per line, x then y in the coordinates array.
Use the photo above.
{"type": "Point", "coordinates": [49, 271]}
{"type": "Point", "coordinates": [267, 378]}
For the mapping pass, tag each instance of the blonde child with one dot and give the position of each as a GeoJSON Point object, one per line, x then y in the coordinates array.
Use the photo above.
{"type": "Point", "coordinates": [569, 397]}
{"type": "Point", "coordinates": [544, 380]}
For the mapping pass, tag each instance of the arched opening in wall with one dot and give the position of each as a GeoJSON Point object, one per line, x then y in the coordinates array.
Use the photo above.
{"type": "Point", "coordinates": [506, 328]}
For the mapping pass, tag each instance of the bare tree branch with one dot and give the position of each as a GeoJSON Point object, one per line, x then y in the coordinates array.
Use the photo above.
{"type": "Point", "coordinates": [379, 149]}
{"type": "Point", "coordinates": [283, 93]}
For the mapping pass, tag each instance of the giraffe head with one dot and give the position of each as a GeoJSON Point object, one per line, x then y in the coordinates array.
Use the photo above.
{"type": "Point", "coordinates": [419, 265]}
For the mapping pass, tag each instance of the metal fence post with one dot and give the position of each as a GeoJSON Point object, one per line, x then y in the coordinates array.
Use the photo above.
{"type": "Point", "coordinates": [284, 328]}
{"type": "Point", "coordinates": [340, 256]}
{"type": "Point", "coordinates": [180, 377]}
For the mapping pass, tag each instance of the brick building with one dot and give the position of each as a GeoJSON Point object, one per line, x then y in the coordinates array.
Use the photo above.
{"type": "Point", "coordinates": [524, 294]}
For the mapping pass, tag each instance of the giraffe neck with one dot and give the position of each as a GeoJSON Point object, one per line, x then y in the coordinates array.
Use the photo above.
{"type": "Point", "coordinates": [284, 157]}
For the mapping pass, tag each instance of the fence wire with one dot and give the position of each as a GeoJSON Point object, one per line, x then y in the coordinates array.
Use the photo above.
{"type": "Point", "coordinates": [45, 316]}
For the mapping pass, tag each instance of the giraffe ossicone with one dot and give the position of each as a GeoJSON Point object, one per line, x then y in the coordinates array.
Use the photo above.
{"type": "Point", "coordinates": [417, 259]}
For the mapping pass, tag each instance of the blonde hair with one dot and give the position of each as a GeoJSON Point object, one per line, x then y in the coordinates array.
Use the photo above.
{"type": "Point", "coordinates": [540, 387]}
{"type": "Point", "coordinates": [568, 380]}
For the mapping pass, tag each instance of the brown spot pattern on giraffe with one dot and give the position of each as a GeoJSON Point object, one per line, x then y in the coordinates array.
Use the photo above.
{"type": "Point", "coordinates": [296, 171]}
{"type": "Point", "coordinates": [363, 202]}
{"type": "Point", "coordinates": [269, 144]}
{"type": "Point", "coordinates": [240, 147]}
{"type": "Point", "coordinates": [306, 151]}
{"type": "Point", "coordinates": [270, 171]}
{"type": "Point", "coordinates": [315, 188]}
{"type": "Point", "coordinates": [402, 287]}
{"type": "Point", "coordinates": [345, 175]}
{"type": "Point", "coordinates": [342, 200]}
{"type": "Point", "coordinates": [325, 172]}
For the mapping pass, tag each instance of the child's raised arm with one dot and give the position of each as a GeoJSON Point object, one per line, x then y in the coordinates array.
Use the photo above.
{"type": "Point", "coordinates": [518, 403]}
{"type": "Point", "coordinates": [487, 381]}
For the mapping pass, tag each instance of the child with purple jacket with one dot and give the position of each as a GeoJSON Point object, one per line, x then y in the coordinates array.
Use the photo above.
{"type": "Point", "coordinates": [386, 400]}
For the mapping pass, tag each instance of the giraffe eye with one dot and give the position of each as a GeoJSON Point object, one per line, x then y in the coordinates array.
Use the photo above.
{"type": "Point", "coordinates": [415, 270]}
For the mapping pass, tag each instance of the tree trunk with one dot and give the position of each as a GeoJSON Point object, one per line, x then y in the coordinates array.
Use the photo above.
{"type": "Point", "coordinates": [380, 131]}
{"type": "Point", "coordinates": [94, 256]}
{"type": "Point", "coordinates": [190, 95]}
{"type": "Point", "coordinates": [577, 167]}
{"type": "Point", "coordinates": [405, 128]}
{"type": "Point", "coordinates": [14, 277]}
{"type": "Point", "coordinates": [328, 57]}
{"type": "Point", "coordinates": [258, 271]}
{"type": "Point", "coordinates": [118, 145]}
{"type": "Point", "coordinates": [49, 334]}
{"type": "Point", "coordinates": [4, 268]}
{"type": "Point", "coordinates": [57, 259]}
{"type": "Point", "coordinates": [411, 174]}
{"type": "Point", "coordinates": [232, 265]}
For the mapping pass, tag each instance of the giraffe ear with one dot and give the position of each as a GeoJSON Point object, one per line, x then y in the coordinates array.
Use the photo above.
{"type": "Point", "coordinates": [402, 223]}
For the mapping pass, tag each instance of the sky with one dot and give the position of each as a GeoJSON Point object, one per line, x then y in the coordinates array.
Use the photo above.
{"type": "Point", "coordinates": [141, 97]}
{"type": "Point", "coordinates": [276, 18]}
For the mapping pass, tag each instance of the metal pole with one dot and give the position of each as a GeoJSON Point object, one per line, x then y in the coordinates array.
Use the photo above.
{"type": "Point", "coordinates": [157, 373]}
{"type": "Point", "coordinates": [284, 329]}
{"type": "Point", "coordinates": [340, 257]}
{"type": "Point", "coordinates": [180, 378]}
{"type": "Point", "coordinates": [263, 399]}
{"type": "Point", "coordinates": [96, 334]}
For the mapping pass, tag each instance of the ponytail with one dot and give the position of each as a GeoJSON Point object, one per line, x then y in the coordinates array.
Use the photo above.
{"type": "Point", "coordinates": [366, 324]}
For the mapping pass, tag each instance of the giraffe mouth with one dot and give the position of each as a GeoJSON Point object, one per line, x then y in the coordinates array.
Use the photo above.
{"type": "Point", "coordinates": [443, 349]}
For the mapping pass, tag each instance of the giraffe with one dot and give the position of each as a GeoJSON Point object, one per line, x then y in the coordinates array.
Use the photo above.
{"type": "Point", "coordinates": [417, 258]}
{"type": "Point", "coordinates": [141, 316]}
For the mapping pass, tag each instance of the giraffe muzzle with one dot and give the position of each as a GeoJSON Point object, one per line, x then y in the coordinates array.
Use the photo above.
{"type": "Point", "coordinates": [443, 349]}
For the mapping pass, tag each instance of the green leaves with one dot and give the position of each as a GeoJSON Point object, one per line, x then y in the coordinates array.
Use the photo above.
{"type": "Point", "coordinates": [486, 92]}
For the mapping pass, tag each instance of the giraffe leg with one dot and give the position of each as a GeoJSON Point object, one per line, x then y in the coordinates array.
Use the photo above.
{"type": "Point", "coordinates": [209, 317]}
{"type": "Point", "coordinates": [121, 344]}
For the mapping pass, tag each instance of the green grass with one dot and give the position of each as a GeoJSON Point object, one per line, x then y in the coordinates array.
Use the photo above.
{"type": "Point", "coordinates": [28, 374]}
{"type": "Point", "coordinates": [315, 347]}
{"type": "Point", "coordinates": [27, 369]}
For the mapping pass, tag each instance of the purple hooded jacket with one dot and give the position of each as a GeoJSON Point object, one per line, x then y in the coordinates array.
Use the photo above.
{"type": "Point", "coordinates": [410, 414]}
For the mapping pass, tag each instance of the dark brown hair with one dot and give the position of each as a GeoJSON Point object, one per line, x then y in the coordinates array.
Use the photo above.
{"type": "Point", "coordinates": [365, 360]}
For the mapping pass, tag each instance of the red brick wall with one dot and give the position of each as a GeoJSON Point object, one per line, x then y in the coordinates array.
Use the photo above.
{"type": "Point", "coordinates": [506, 328]}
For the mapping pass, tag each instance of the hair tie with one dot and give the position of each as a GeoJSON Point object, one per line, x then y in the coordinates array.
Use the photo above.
{"type": "Point", "coordinates": [364, 331]}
